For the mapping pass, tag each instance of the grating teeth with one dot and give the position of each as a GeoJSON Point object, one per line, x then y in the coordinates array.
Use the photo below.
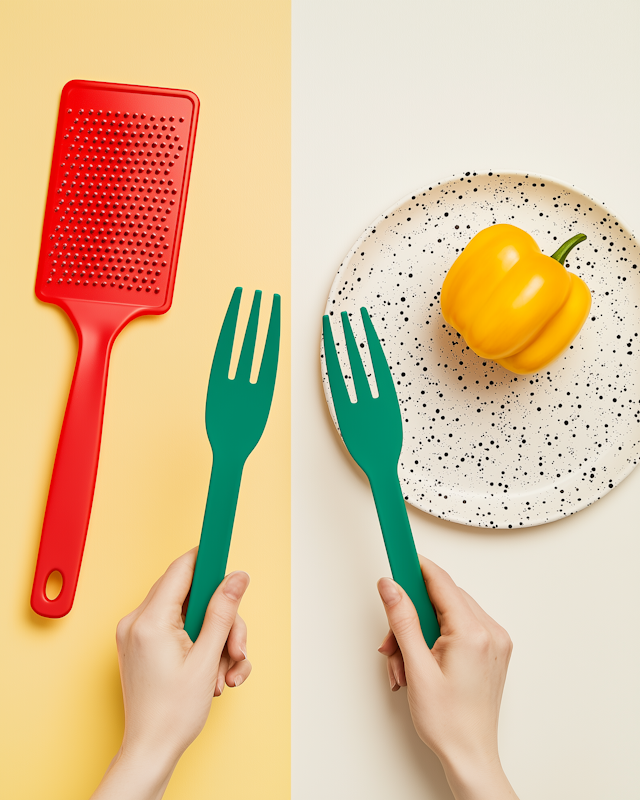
{"type": "Point", "coordinates": [115, 192]}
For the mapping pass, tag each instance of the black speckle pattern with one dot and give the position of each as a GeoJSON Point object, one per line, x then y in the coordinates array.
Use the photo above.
{"type": "Point", "coordinates": [483, 446]}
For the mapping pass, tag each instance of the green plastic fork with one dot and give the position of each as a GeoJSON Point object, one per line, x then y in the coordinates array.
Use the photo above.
{"type": "Point", "coordinates": [372, 432]}
{"type": "Point", "coordinates": [236, 414]}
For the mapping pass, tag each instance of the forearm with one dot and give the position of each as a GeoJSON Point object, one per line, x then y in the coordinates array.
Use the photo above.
{"type": "Point", "coordinates": [133, 779]}
{"type": "Point", "coordinates": [479, 781]}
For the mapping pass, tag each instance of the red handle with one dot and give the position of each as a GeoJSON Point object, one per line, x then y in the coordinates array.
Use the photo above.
{"type": "Point", "coordinates": [66, 517]}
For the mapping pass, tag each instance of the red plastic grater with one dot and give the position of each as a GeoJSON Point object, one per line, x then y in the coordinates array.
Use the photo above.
{"type": "Point", "coordinates": [110, 240]}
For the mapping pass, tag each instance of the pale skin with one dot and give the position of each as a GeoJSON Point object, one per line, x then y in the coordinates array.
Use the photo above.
{"type": "Point", "coordinates": [169, 682]}
{"type": "Point", "coordinates": [455, 689]}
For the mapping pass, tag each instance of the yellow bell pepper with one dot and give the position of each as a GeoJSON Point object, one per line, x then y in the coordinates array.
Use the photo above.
{"type": "Point", "coordinates": [511, 303]}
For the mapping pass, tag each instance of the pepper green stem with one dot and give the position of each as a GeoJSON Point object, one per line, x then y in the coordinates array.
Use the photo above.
{"type": "Point", "coordinates": [563, 251]}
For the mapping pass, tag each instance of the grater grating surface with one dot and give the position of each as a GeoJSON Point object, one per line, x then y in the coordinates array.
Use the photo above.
{"type": "Point", "coordinates": [110, 241]}
{"type": "Point", "coordinates": [117, 192]}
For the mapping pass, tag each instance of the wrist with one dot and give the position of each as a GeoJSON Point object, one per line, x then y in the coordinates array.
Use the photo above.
{"type": "Point", "coordinates": [480, 778]}
{"type": "Point", "coordinates": [137, 776]}
{"type": "Point", "coordinates": [152, 749]}
{"type": "Point", "coordinates": [155, 764]}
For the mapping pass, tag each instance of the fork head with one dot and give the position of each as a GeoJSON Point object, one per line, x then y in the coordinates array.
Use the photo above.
{"type": "Point", "coordinates": [372, 426]}
{"type": "Point", "coordinates": [237, 410]}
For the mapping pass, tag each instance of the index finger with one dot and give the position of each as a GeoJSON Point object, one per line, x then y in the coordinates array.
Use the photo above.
{"type": "Point", "coordinates": [171, 590]}
{"type": "Point", "coordinates": [454, 613]}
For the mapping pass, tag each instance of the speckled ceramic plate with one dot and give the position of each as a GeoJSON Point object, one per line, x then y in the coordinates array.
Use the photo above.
{"type": "Point", "coordinates": [483, 446]}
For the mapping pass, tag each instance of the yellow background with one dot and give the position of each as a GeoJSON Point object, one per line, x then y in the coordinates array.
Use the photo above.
{"type": "Point", "coordinates": [61, 700]}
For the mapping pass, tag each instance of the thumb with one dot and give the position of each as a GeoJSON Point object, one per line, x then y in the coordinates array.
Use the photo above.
{"type": "Point", "coordinates": [220, 616]}
{"type": "Point", "coordinates": [404, 622]}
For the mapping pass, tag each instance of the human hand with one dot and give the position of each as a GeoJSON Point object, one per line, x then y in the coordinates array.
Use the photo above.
{"type": "Point", "coordinates": [455, 689]}
{"type": "Point", "coordinates": [168, 681]}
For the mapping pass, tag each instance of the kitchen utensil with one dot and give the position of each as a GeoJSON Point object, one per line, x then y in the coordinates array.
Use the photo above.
{"type": "Point", "coordinates": [109, 252]}
{"type": "Point", "coordinates": [372, 431]}
{"type": "Point", "coordinates": [236, 414]}
{"type": "Point", "coordinates": [483, 446]}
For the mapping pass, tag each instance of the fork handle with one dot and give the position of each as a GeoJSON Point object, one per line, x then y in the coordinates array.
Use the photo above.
{"type": "Point", "coordinates": [215, 539]}
{"type": "Point", "coordinates": [401, 550]}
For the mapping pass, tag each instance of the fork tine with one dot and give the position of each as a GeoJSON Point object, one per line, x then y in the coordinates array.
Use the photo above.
{"type": "Point", "coordinates": [384, 379]}
{"type": "Point", "coordinates": [360, 381]}
{"type": "Point", "coordinates": [339, 392]}
{"type": "Point", "coordinates": [249, 342]}
{"type": "Point", "coordinates": [222, 356]}
{"type": "Point", "coordinates": [269, 363]}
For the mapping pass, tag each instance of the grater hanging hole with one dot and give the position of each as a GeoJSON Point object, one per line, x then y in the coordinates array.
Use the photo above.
{"type": "Point", "coordinates": [54, 584]}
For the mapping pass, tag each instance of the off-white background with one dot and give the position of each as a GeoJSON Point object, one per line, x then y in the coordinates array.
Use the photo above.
{"type": "Point", "coordinates": [389, 96]}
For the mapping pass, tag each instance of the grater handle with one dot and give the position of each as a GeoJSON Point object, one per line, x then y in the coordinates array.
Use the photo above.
{"type": "Point", "coordinates": [68, 509]}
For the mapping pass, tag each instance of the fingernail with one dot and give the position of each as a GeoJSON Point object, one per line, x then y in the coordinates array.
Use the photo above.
{"type": "Point", "coordinates": [236, 585]}
{"type": "Point", "coordinates": [392, 683]}
{"type": "Point", "coordinates": [384, 641]}
{"type": "Point", "coordinates": [238, 680]}
{"type": "Point", "coordinates": [244, 652]}
{"type": "Point", "coordinates": [388, 592]}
